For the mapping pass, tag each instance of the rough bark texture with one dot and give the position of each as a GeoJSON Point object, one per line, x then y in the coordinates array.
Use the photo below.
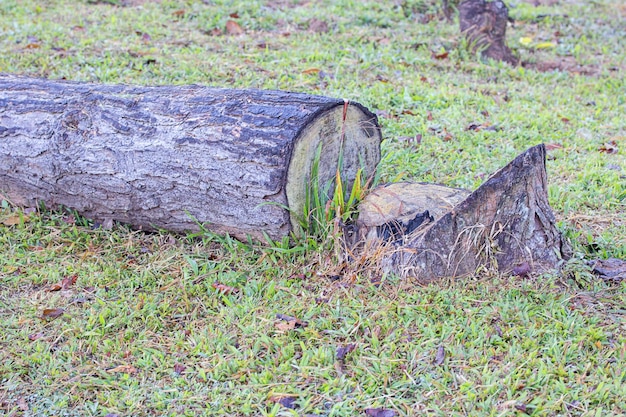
{"type": "Point", "coordinates": [160, 157]}
{"type": "Point", "coordinates": [504, 224]}
{"type": "Point", "coordinates": [484, 25]}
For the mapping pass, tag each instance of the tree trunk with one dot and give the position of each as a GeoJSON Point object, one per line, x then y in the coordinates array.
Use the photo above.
{"type": "Point", "coordinates": [506, 224]}
{"type": "Point", "coordinates": [167, 157]}
{"type": "Point", "coordinates": [484, 25]}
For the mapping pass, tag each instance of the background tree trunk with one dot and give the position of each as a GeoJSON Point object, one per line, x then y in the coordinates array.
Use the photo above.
{"type": "Point", "coordinates": [164, 157]}
{"type": "Point", "coordinates": [484, 25]}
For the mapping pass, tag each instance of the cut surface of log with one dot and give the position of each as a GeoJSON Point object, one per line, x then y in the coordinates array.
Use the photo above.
{"type": "Point", "coordinates": [170, 157]}
{"type": "Point", "coordinates": [506, 223]}
{"type": "Point", "coordinates": [398, 204]}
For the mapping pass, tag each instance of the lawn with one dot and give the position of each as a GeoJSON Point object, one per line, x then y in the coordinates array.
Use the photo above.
{"type": "Point", "coordinates": [100, 322]}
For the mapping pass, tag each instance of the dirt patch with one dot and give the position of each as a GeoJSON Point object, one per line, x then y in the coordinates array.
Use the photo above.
{"type": "Point", "coordinates": [564, 64]}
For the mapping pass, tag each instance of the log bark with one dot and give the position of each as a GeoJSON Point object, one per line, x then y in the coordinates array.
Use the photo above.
{"type": "Point", "coordinates": [484, 25]}
{"type": "Point", "coordinates": [506, 224]}
{"type": "Point", "coordinates": [168, 157]}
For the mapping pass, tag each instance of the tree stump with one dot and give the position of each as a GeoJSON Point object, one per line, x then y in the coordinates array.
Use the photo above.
{"type": "Point", "coordinates": [484, 25]}
{"type": "Point", "coordinates": [506, 224]}
{"type": "Point", "coordinates": [171, 157]}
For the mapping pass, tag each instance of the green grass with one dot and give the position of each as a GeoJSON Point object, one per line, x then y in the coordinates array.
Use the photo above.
{"type": "Point", "coordinates": [550, 345]}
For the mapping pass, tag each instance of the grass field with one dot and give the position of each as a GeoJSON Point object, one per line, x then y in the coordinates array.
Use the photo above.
{"type": "Point", "coordinates": [138, 329]}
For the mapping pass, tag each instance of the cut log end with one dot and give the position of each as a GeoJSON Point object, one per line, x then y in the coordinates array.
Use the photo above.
{"type": "Point", "coordinates": [349, 133]}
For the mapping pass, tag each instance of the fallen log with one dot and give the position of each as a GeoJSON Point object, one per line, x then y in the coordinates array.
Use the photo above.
{"type": "Point", "coordinates": [506, 224]}
{"type": "Point", "coordinates": [171, 157]}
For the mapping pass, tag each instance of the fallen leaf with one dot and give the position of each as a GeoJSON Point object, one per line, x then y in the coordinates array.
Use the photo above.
{"type": "Point", "coordinates": [609, 147]}
{"type": "Point", "coordinates": [21, 403]}
{"type": "Point", "coordinates": [123, 369]}
{"type": "Point", "coordinates": [297, 321]}
{"type": "Point", "coordinates": [311, 71]}
{"type": "Point", "coordinates": [429, 116]}
{"type": "Point", "coordinates": [34, 336]}
{"type": "Point", "coordinates": [285, 326]}
{"type": "Point", "coordinates": [65, 283]}
{"type": "Point", "coordinates": [234, 15]}
{"type": "Point", "coordinates": [522, 270]}
{"type": "Point", "coordinates": [287, 401]}
{"type": "Point", "coordinates": [178, 13]}
{"type": "Point", "coordinates": [224, 289]}
{"type": "Point", "coordinates": [552, 146]}
{"type": "Point", "coordinates": [233, 28]}
{"type": "Point", "coordinates": [545, 45]}
{"type": "Point", "coordinates": [15, 219]}
{"type": "Point", "coordinates": [342, 351]}
{"type": "Point", "coordinates": [441, 55]}
{"type": "Point", "coordinates": [33, 46]}
{"type": "Point", "coordinates": [52, 313]}
{"type": "Point", "coordinates": [526, 40]}
{"type": "Point", "coordinates": [380, 412]}
{"type": "Point", "coordinates": [179, 368]}
{"type": "Point", "coordinates": [318, 26]}
{"type": "Point", "coordinates": [441, 355]}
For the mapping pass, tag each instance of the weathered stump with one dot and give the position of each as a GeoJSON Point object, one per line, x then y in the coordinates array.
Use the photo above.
{"type": "Point", "coordinates": [167, 157]}
{"type": "Point", "coordinates": [433, 232]}
{"type": "Point", "coordinates": [484, 25]}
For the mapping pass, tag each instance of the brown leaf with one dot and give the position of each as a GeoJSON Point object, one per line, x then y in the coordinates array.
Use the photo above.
{"type": "Point", "coordinates": [441, 55]}
{"type": "Point", "coordinates": [179, 368]}
{"type": "Point", "coordinates": [441, 355]}
{"type": "Point", "coordinates": [552, 146]}
{"type": "Point", "coordinates": [522, 269]}
{"type": "Point", "coordinates": [178, 13]}
{"type": "Point", "coordinates": [34, 336]}
{"type": "Point", "coordinates": [224, 289]}
{"type": "Point", "coordinates": [311, 71]}
{"type": "Point", "coordinates": [234, 15]}
{"type": "Point", "coordinates": [285, 326]}
{"type": "Point", "coordinates": [341, 352]}
{"type": "Point", "coordinates": [123, 369]}
{"type": "Point", "coordinates": [65, 283]}
{"type": "Point", "coordinates": [287, 401]}
{"type": "Point", "coordinates": [380, 412]}
{"type": "Point", "coordinates": [233, 28]}
{"type": "Point", "coordinates": [21, 403]}
{"type": "Point", "coordinates": [429, 116]}
{"type": "Point", "coordinates": [52, 313]}
{"type": "Point", "coordinates": [318, 26]}
{"type": "Point", "coordinates": [15, 219]}
{"type": "Point", "coordinates": [33, 46]}
{"type": "Point", "coordinates": [609, 147]}
{"type": "Point", "coordinates": [297, 321]}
